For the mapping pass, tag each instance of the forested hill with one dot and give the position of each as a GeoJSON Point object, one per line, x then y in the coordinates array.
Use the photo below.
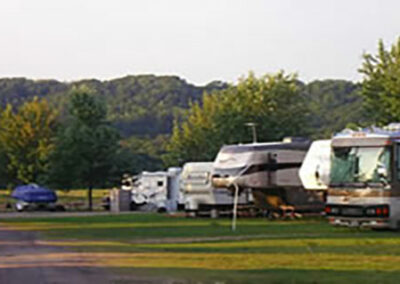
{"type": "Point", "coordinates": [146, 105]}
{"type": "Point", "coordinates": [333, 105]}
{"type": "Point", "coordinates": [142, 105]}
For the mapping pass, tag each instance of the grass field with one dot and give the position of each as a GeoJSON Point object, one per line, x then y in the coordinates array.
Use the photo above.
{"type": "Point", "coordinates": [206, 251]}
{"type": "Point", "coordinates": [75, 200]}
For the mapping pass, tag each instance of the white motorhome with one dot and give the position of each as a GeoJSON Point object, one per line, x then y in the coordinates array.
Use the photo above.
{"type": "Point", "coordinates": [154, 191]}
{"type": "Point", "coordinates": [200, 196]}
{"type": "Point", "coordinates": [364, 187]}
{"type": "Point", "coordinates": [315, 169]}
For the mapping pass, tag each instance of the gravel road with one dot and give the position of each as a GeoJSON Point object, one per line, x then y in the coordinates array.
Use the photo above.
{"type": "Point", "coordinates": [22, 260]}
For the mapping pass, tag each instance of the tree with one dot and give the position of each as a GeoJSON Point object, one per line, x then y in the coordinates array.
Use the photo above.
{"type": "Point", "coordinates": [381, 84]}
{"type": "Point", "coordinates": [332, 105]}
{"type": "Point", "coordinates": [3, 169]}
{"type": "Point", "coordinates": [273, 102]}
{"type": "Point", "coordinates": [87, 146]}
{"type": "Point", "coordinates": [27, 140]}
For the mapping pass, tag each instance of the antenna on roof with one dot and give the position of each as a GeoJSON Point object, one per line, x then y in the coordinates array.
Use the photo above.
{"type": "Point", "coordinates": [254, 130]}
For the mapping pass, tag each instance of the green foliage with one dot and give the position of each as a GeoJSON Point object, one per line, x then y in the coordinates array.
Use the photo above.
{"type": "Point", "coordinates": [144, 153]}
{"type": "Point", "coordinates": [273, 102]}
{"type": "Point", "coordinates": [87, 147]}
{"type": "Point", "coordinates": [143, 109]}
{"type": "Point", "coordinates": [17, 91]}
{"type": "Point", "coordinates": [381, 84]}
{"type": "Point", "coordinates": [332, 105]}
{"type": "Point", "coordinates": [3, 169]}
{"type": "Point", "coordinates": [138, 105]}
{"type": "Point", "coordinates": [26, 140]}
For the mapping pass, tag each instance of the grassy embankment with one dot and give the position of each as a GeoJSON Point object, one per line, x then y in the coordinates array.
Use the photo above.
{"type": "Point", "coordinates": [303, 251]}
{"type": "Point", "coordinates": [73, 200]}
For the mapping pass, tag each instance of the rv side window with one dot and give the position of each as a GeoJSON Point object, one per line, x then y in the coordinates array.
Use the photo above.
{"type": "Point", "coordinates": [198, 178]}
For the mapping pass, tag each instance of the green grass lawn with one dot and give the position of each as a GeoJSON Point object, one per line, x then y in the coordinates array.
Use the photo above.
{"type": "Point", "coordinates": [260, 251]}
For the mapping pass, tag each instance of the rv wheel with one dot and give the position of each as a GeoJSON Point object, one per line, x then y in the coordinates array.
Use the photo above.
{"type": "Point", "coordinates": [162, 210]}
{"type": "Point", "coordinates": [60, 208]}
{"type": "Point", "coordinates": [214, 214]}
{"type": "Point", "coordinates": [191, 214]}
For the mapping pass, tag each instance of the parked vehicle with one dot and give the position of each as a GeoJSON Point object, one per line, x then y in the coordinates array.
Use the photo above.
{"type": "Point", "coordinates": [154, 191]}
{"type": "Point", "coordinates": [364, 187]}
{"type": "Point", "coordinates": [199, 195]}
{"type": "Point", "coordinates": [270, 170]}
{"type": "Point", "coordinates": [34, 197]}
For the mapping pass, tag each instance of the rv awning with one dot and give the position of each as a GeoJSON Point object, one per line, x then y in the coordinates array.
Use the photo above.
{"type": "Point", "coordinates": [360, 142]}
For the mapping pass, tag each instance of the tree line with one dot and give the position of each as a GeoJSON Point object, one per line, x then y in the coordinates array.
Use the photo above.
{"type": "Point", "coordinates": [143, 108]}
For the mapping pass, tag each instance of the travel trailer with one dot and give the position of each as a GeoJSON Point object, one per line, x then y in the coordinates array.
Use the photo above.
{"type": "Point", "coordinates": [154, 191]}
{"type": "Point", "coordinates": [315, 169]}
{"type": "Point", "coordinates": [270, 170]}
{"type": "Point", "coordinates": [199, 195]}
{"type": "Point", "coordinates": [364, 187]}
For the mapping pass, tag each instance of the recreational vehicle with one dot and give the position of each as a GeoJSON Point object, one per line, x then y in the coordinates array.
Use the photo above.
{"type": "Point", "coordinates": [199, 194]}
{"type": "Point", "coordinates": [154, 191]}
{"type": "Point", "coordinates": [270, 170]}
{"type": "Point", "coordinates": [364, 187]}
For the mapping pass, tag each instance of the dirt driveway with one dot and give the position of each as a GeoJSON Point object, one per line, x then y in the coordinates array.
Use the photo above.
{"type": "Point", "coordinates": [23, 260]}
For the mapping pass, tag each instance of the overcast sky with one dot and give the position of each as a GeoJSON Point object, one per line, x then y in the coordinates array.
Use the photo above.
{"type": "Point", "coordinates": [200, 40]}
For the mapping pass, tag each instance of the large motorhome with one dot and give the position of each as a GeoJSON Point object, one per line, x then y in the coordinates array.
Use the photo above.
{"type": "Point", "coordinates": [154, 191]}
{"type": "Point", "coordinates": [270, 170]}
{"type": "Point", "coordinates": [200, 196]}
{"type": "Point", "coordinates": [364, 187]}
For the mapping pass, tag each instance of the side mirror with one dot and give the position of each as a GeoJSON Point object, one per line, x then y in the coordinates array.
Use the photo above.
{"type": "Point", "coordinates": [382, 171]}
{"type": "Point", "coordinates": [317, 175]}
{"type": "Point", "coordinates": [382, 174]}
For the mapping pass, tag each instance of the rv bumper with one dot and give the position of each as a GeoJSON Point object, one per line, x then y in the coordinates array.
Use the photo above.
{"type": "Point", "coordinates": [363, 223]}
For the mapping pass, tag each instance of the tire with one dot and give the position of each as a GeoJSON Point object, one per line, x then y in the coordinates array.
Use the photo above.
{"type": "Point", "coordinates": [60, 208]}
{"type": "Point", "coordinates": [214, 213]}
{"type": "Point", "coordinates": [161, 210]}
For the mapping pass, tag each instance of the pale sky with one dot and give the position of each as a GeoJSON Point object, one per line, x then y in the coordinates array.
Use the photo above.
{"type": "Point", "coordinates": [199, 40]}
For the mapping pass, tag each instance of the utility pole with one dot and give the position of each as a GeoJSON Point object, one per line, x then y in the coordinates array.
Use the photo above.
{"type": "Point", "coordinates": [254, 130]}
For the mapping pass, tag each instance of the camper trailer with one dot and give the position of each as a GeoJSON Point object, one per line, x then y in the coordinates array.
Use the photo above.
{"type": "Point", "coordinates": [364, 187]}
{"type": "Point", "coordinates": [270, 170]}
{"type": "Point", "coordinates": [154, 191]}
{"type": "Point", "coordinates": [200, 197]}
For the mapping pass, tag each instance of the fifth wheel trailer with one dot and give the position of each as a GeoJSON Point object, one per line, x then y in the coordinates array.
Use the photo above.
{"type": "Point", "coordinates": [270, 170]}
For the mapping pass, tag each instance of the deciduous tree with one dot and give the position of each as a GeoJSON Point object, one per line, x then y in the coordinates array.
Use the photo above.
{"type": "Point", "coordinates": [381, 83]}
{"type": "Point", "coordinates": [273, 102]}
{"type": "Point", "coordinates": [27, 140]}
{"type": "Point", "coordinates": [87, 147]}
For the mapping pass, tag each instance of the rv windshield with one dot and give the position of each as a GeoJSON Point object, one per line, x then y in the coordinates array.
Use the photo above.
{"type": "Point", "coordinates": [355, 165]}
